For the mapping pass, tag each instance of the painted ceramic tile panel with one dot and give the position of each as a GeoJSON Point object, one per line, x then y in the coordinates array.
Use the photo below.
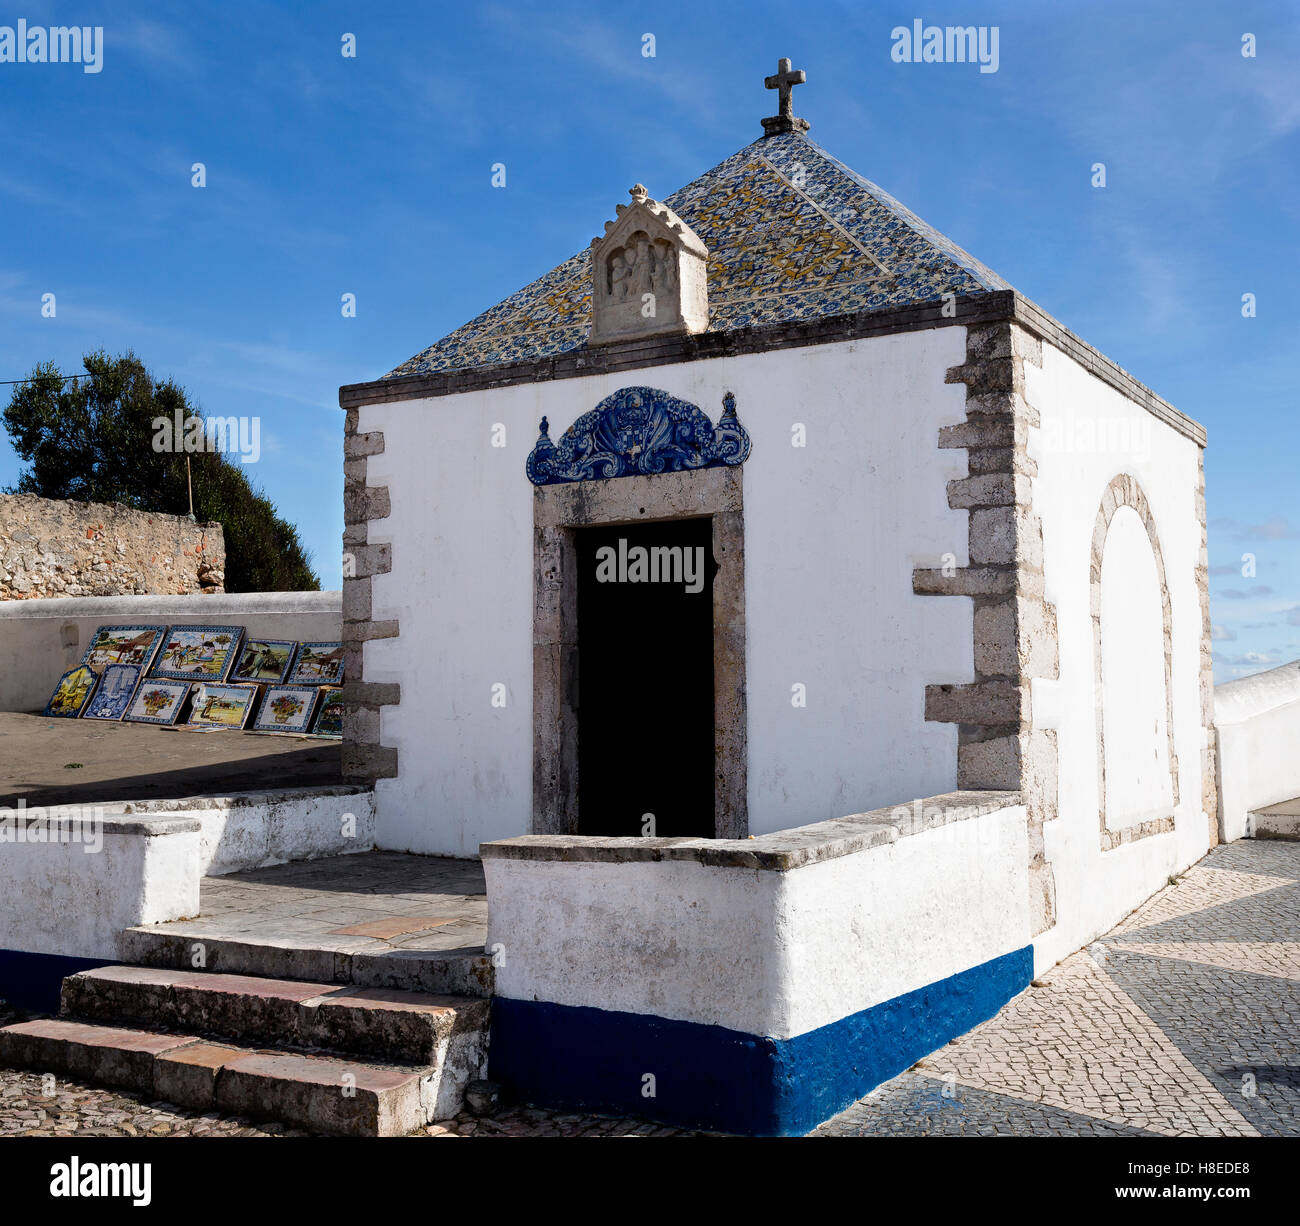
{"type": "Point", "coordinates": [116, 685]}
{"type": "Point", "coordinates": [263, 660]}
{"type": "Point", "coordinates": [329, 715]}
{"type": "Point", "coordinates": [123, 645]}
{"type": "Point", "coordinates": [198, 653]}
{"type": "Point", "coordinates": [219, 705]}
{"type": "Point", "coordinates": [157, 701]}
{"type": "Point", "coordinates": [317, 664]}
{"type": "Point", "coordinates": [286, 708]}
{"type": "Point", "coordinates": [72, 693]}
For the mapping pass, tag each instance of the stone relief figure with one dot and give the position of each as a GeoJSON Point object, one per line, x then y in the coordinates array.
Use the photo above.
{"type": "Point", "coordinates": [664, 277]}
{"type": "Point", "coordinates": [642, 270]}
{"type": "Point", "coordinates": [642, 267]}
{"type": "Point", "coordinates": [618, 275]}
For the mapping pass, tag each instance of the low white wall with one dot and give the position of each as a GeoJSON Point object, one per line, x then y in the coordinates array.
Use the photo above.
{"type": "Point", "coordinates": [257, 829]}
{"type": "Point", "coordinates": [772, 953]}
{"type": "Point", "coordinates": [41, 639]}
{"type": "Point", "coordinates": [141, 862]}
{"type": "Point", "coordinates": [1257, 725]}
{"type": "Point", "coordinates": [75, 897]}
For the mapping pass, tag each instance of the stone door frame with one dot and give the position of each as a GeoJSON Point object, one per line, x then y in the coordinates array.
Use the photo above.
{"type": "Point", "coordinates": [559, 511]}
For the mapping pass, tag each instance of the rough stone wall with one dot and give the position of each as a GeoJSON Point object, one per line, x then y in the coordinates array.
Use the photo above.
{"type": "Point", "coordinates": [50, 547]}
{"type": "Point", "coordinates": [1014, 625]}
{"type": "Point", "coordinates": [364, 758]}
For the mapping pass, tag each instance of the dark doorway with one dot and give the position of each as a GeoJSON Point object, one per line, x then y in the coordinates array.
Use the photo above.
{"type": "Point", "coordinates": [645, 678]}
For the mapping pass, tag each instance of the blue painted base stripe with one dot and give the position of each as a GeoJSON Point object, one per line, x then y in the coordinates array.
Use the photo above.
{"type": "Point", "coordinates": [33, 981]}
{"type": "Point", "coordinates": [716, 1078]}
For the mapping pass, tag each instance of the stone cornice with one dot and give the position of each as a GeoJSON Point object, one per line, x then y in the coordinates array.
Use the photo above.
{"type": "Point", "coordinates": [644, 353]}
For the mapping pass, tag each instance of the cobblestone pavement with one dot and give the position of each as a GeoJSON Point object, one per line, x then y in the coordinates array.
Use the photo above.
{"type": "Point", "coordinates": [1184, 1019]}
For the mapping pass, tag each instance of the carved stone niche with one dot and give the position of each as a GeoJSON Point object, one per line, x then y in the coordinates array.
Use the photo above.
{"type": "Point", "coordinates": [648, 274]}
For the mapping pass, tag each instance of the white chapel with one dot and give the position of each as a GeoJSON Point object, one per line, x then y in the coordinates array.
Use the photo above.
{"type": "Point", "coordinates": [819, 565]}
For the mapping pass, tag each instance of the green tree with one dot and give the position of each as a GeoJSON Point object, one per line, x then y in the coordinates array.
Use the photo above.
{"type": "Point", "coordinates": [92, 440]}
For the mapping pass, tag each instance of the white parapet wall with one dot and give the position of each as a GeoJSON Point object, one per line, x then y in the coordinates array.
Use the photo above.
{"type": "Point", "coordinates": [1257, 724]}
{"type": "Point", "coordinates": [72, 877]}
{"type": "Point", "coordinates": [249, 830]}
{"type": "Point", "coordinates": [754, 985]}
{"type": "Point", "coordinates": [41, 639]}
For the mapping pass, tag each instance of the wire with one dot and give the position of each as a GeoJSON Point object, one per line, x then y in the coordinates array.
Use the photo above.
{"type": "Point", "coordinates": [85, 374]}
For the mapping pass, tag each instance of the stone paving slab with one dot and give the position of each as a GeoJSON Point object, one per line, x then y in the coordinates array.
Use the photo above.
{"type": "Point", "coordinates": [365, 903]}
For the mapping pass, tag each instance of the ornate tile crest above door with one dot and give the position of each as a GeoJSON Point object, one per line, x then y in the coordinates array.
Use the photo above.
{"type": "Point", "coordinates": [639, 431]}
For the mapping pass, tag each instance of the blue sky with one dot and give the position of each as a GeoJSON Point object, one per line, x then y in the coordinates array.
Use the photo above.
{"type": "Point", "coordinates": [372, 176]}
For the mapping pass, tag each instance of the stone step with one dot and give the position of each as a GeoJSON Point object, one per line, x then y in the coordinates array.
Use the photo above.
{"type": "Point", "coordinates": [320, 1092]}
{"type": "Point", "coordinates": [405, 1027]}
{"type": "Point", "coordinates": [176, 946]}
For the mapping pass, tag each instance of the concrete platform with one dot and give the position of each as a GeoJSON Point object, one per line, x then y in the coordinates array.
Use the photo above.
{"type": "Point", "coordinates": [74, 761]}
{"type": "Point", "coordinates": [372, 919]}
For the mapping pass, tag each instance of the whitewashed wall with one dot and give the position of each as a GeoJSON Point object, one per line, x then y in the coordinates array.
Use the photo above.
{"type": "Point", "coordinates": [1090, 433]}
{"type": "Point", "coordinates": [766, 953]}
{"type": "Point", "coordinates": [41, 639]}
{"type": "Point", "coordinates": [141, 862]}
{"type": "Point", "coordinates": [249, 830]}
{"type": "Point", "coordinates": [833, 531]}
{"type": "Point", "coordinates": [74, 898]}
{"type": "Point", "coordinates": [1257, 720]}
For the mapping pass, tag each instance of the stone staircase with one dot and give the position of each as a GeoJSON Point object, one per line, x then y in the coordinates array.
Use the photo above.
{"type": "Point", "coordinates": [349, 1059]}
{"type": "Point", "coordinates": [176, 945]}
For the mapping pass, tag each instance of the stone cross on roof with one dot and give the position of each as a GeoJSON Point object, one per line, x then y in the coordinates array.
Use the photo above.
{"type": "Point", "coordinates": [786, 120]}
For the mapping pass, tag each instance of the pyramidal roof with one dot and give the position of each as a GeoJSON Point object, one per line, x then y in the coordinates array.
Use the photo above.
{"type": "Point", "coordinates": [793, 235]}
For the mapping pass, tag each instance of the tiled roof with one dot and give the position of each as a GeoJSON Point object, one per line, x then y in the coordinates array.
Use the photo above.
{"type": "Point", "coordinates": [792, 235]}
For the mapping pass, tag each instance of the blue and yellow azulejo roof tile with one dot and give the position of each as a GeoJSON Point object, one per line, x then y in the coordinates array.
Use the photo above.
{"type": "Point", "coordinates": [793, 235]}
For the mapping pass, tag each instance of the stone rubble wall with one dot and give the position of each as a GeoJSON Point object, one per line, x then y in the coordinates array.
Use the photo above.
{"type": "Point", "coordinates": [50, 547]}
